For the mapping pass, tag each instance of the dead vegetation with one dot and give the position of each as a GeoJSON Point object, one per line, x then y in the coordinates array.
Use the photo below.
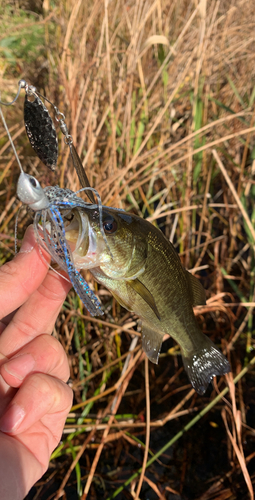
{"type": "Point", "coordinates": [159, 98]}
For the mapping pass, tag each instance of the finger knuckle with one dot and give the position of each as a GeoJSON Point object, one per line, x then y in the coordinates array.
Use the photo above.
{"type": "Point", "coordinates": [40, 383]}
{"type": "Point", "coordinates": [46, 341]}
{"type": "Point", "coordinates": [56, 355]}
{"type": "Point", "coordinates": [9, 269]}
{"type": "Point", "coordinates": [24, 327]}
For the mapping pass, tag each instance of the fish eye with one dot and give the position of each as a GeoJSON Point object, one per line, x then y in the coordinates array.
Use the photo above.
{"type": "Point", "coordinates": [33, 181]}
{"type": "Point", "coordinates": [110, 225]}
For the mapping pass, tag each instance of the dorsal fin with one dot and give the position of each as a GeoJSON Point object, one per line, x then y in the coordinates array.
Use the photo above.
{"type": "Point", "coordinates": [146, 295]}
{"type": "Point", "coordinates": [197, 290]}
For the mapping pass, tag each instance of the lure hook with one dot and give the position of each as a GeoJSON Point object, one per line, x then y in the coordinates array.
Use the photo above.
{"type": "Point", "coordinates": [47, 209]}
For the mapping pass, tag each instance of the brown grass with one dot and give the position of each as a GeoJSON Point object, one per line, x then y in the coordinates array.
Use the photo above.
{"type": "Point", "coordinates": [159, 98]}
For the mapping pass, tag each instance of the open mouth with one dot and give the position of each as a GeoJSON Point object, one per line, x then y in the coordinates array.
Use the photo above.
{"type": "Point", "coordinates": [77, 231]}
{"type": "Point", "coordinates": [88, 247]}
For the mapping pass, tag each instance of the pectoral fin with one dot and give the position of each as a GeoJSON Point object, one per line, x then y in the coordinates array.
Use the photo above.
{"type": "Point", "coordinates": [151, 343]}
{"type": "Point", "coordinates": [146, 295]}
{"type": "Point", "coordinates": [197, 290]}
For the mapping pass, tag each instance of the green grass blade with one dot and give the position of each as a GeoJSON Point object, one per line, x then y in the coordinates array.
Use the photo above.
{"type": "Point", "coordinates": [232, 85]}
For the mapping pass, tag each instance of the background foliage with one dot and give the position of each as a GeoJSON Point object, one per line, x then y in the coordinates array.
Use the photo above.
{"type": "Point", "coordinates": [159, 98]}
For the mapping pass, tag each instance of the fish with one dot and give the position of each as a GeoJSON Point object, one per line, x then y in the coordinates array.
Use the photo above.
{"type": "Point", "coordinates": [143, 271]}
{"type": "Point", "coordinates": [135, 262]}
{"type": "Point", "coordinates": [126, 254]}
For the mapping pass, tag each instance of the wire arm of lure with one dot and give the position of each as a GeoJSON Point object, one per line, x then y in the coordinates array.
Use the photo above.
{"type": "Point", "coordinates": [49, 161]}
{"type": "Point", "coordinates": [26, 183]}
{"type": "Point", "coordinates": [83, 178]}
{"type": "Point", "coordinates": [60, 118]}
{"type": "Point", "coordinates": [22, 84]}
{"type": "Point", "coordinates": [11, 141]}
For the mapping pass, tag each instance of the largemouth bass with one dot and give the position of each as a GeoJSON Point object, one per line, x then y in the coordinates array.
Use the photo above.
{"type": "Point", "coordinates": [134, 260]}
{"type": "Point", "coordinates": [144, 273]}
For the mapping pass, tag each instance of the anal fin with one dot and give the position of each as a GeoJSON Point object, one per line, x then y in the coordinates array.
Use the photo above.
{"type": "Point", "coordinates": [151, 342]}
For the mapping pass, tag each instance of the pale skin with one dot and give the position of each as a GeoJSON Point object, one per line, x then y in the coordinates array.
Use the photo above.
{"type": "Point", "coordinates": [34, 397]}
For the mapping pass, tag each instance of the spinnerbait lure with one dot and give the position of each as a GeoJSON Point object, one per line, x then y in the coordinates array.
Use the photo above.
{"type": "Point", "coordinates": [47, 204]}
{"type": "Point", "coordinates": [50, 229]}
{"type": "Point", "coordinates": [42, 134]}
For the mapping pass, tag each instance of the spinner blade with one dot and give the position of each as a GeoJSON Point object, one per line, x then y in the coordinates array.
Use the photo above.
{"type": "Point", "coordinates": [41, 131]}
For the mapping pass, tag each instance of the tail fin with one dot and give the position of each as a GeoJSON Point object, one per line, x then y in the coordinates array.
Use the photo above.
{"type": "Point", "coordinates": [203, 364]}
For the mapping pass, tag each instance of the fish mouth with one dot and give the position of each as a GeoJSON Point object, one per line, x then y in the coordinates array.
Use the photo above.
{"type": "Point", "coordinates": [86, 243]}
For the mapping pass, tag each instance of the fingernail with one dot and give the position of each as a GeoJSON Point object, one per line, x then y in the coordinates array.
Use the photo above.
{"type": "Point", "coordinates": [20, 366]}
{"type": "Point", "coordinates": [28, 242]}
{"type": "Point", "coordinates": [12, 418]}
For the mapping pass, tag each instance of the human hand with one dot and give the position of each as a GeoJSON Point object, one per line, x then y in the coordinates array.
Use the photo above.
{"type": "Point", "coordinates": [34, 398]}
